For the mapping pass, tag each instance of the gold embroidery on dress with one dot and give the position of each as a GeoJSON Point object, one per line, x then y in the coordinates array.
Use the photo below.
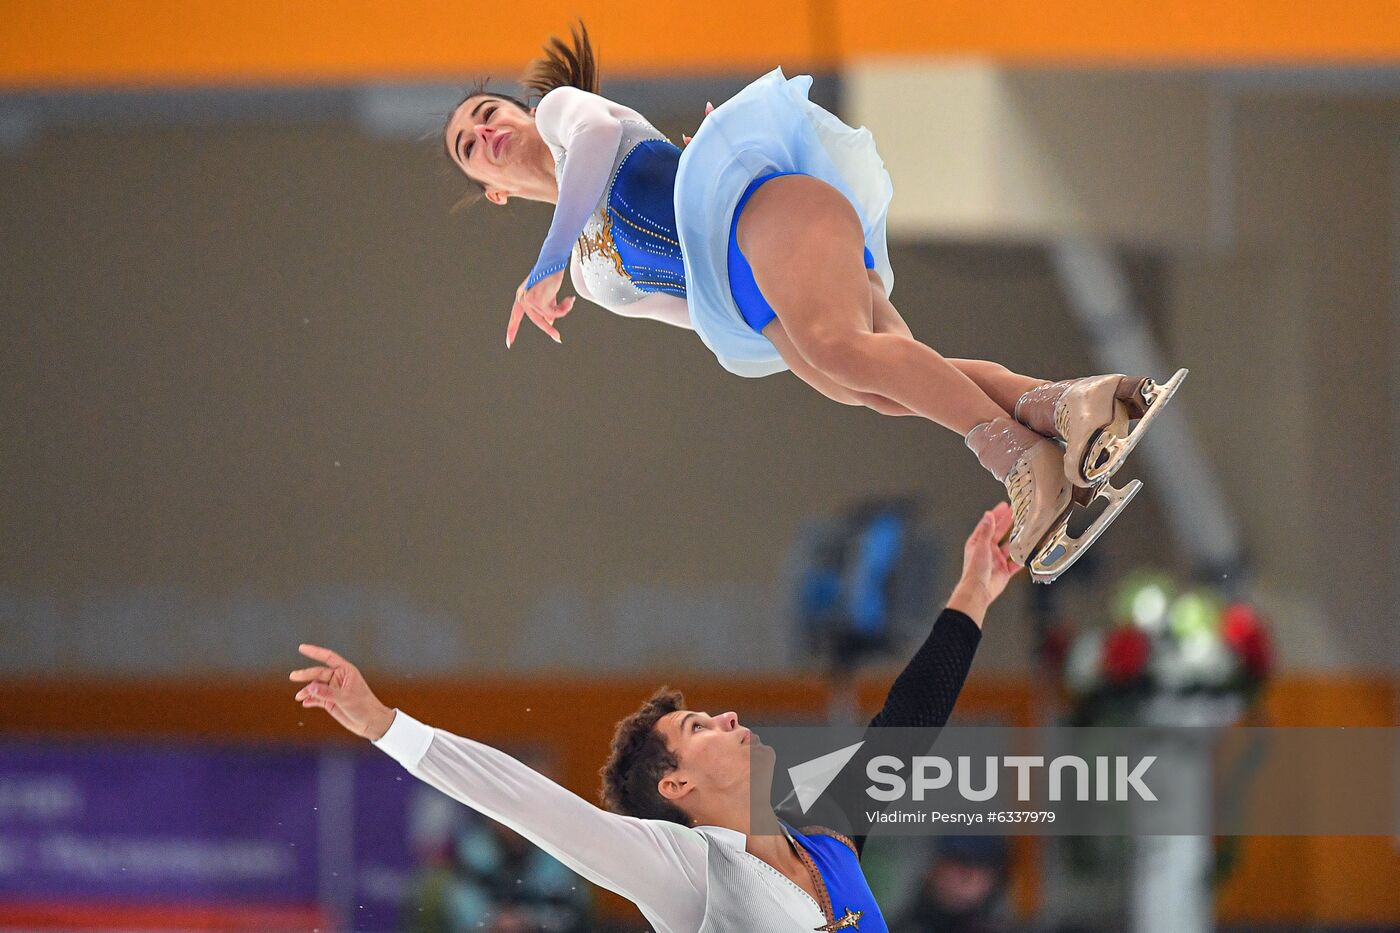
{"type": "Point", "coordinates": [601, 244]}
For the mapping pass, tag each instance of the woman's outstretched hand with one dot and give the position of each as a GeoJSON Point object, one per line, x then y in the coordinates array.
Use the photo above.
{"type": "Point", "coordinates": [987, 565]}
{"type": "Point", "coordinates": [540, 305]}
{"type": "Point", "coordinates": [338, 688]}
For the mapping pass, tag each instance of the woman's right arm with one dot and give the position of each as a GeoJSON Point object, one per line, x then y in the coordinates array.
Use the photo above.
{"type": "Point", "coordinates": [657, 306]}
{"type": "Point", "coordinates": [659, 866]}
{"type": "Point", "coordinates": [586, 127]}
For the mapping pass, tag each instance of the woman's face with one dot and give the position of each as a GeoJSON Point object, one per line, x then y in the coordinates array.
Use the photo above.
{"type": "Point", "coordinates": [715, 755]}
{"type": "Point", "coordinates": [495, 143]}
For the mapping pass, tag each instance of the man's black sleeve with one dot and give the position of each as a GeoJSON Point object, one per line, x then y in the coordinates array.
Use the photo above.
{"type": "Point", "coordinates": [922, 696]}
{"type": "Point", "coordinates": [925, 691]}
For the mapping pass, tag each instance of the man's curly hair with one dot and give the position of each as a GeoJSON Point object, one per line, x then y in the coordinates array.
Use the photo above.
{"type": "Point", "coordinates": [638, 759]}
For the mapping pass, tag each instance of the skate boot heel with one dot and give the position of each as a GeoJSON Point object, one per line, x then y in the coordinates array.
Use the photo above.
{"type": "Point", "coordinates": [1132, 393]}
{"type": "Point", "coordinates": [1100, 419]}
{"type": "Point", "coordinates": [1110, 447]}
{"type": "Point", "coordinates": [1092, 421]}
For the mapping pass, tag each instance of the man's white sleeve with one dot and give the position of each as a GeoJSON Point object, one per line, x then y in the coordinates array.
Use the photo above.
{"type": "Point", "coordinates": [658, 865]}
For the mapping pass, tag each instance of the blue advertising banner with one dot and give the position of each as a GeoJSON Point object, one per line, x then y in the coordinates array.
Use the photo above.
{"type": "Point", "coordinates": [158, 823]}
{"type": "Point", "coordinates": [106, 827]}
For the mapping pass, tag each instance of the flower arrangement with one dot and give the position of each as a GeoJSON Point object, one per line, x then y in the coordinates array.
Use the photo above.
{"type": "Point", "coordinates": [1163, 638]}
{"type": "Point", "coordinates": [1166, 649]}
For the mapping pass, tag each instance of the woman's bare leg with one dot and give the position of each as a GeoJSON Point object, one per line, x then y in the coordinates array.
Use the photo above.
{"type": "Point", "coordinates": [810, 375]}
{"type": "Point", "coordinates": [803, 370]}
{"type": "Point", "coordinates": [1001, 385]}
{"type": "Point", "coordinates": [804, 242]}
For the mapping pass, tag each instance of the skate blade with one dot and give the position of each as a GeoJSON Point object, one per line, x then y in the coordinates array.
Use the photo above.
{"type": "Point", "coordinates": [1118, 448]}
{"type": "Point", "coordinates": [1060, 550]}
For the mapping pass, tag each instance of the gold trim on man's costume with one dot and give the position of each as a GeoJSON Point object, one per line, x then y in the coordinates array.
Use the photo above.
{"type": "Point", "coordinates": [850, 921]}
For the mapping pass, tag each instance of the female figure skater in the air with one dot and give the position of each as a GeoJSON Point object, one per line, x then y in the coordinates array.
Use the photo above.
{"type": "Point", "coordinates": [767, 237]}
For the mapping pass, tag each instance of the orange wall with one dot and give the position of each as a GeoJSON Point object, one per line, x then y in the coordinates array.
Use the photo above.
{"type": "Point", "coordinates": [572, 715]}
{"type": "Point", "coordinates": [52, 43]}
{"type": "Point", "coordinates": [1339, 880]}
{"type": "Point", "coordinates": [1129, 31]}
{"type": "Point", "coordinates": [1321, 879]}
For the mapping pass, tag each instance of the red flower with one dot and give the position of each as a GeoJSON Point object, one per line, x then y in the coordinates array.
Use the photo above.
{"type": "Point", "coordinates": [1125, 652]}
{"type": "Point", "coordinates": [1055, 646]}
{"type": "Point", "coordinates": [1246, 635]}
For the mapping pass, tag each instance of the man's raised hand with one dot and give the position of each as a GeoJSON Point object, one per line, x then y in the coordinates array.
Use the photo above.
{"type": "Point", "coordinates": [337, 687]}
{"type": "Point", "coordinates": [987, 564]}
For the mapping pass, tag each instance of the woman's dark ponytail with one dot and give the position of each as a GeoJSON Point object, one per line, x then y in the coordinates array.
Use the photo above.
{"type": "Point", "coordinates": [564, 65]}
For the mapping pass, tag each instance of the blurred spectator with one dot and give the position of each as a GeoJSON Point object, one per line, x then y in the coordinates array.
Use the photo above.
{"type": "Point", "coordinates": [505, 884]}
{"type": "Point", "coordinates": [477, 875]}
{"type": "Point", "coordinates": [962, 889]}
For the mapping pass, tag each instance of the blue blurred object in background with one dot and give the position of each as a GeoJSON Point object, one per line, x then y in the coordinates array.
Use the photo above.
{"type": "Point", "coordinates": [862, 576]}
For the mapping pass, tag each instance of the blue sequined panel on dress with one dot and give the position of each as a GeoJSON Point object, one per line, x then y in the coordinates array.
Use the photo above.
{"type": "Point", "coordinates": [642, 211]}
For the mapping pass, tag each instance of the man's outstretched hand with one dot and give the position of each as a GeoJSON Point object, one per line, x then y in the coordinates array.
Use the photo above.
{"type": "Point", "coordinates": [337, 687]}
{"type": "Point", "coordinates": [987, 565]}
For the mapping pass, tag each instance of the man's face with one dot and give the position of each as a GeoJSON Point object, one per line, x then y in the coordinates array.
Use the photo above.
{"type": "Point", "coordinates": [714, 754]}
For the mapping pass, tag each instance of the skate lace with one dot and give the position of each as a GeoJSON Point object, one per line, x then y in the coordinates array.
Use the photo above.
{"type": "Point", "coordinates": [1062, 420]}
{"type": "Point", "coordinates": [1018, 487]}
